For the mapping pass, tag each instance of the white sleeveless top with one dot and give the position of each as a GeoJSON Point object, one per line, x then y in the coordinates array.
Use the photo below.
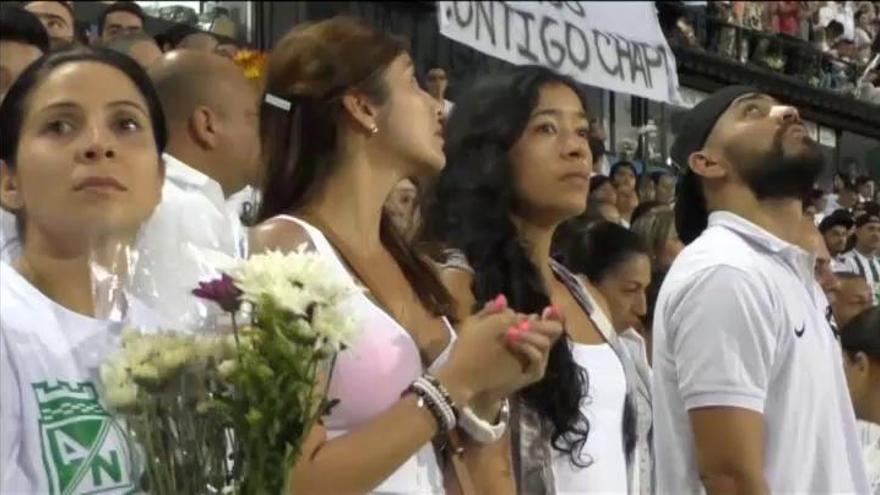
{"type": "Point", "coordinates": [370, 376]}
{"type": "Point", "coordinates": [603, 406]}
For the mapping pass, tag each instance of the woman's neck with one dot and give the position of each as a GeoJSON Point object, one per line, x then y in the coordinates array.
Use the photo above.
{"type": "Point", "coordinates": [76, 278]}
{"type": "Point", "coordinates": [352, 201]}
{"type": "Point", "coordinates": [537, 241]}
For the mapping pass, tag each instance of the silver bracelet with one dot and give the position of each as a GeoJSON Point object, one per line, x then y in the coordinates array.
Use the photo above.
{"type": "Point", "coordinates": [482, 431]}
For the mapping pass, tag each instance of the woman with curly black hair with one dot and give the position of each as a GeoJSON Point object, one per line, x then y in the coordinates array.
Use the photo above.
{"type": "Point", "coordinates": [518, 165]}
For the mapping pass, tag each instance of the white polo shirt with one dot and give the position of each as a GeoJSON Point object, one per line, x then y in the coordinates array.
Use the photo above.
{"type": "Point", "coordinates": [740, 322]}
{"type": "Point", "coordinates": [868, 267]}
{"type": "Point", "coordinates": [180, 245]}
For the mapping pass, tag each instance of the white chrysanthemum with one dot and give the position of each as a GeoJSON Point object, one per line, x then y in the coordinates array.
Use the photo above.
{"type": "Point", "coordinates": [337, 327]}
{"type": "Point", "coordinates": [121, 395]}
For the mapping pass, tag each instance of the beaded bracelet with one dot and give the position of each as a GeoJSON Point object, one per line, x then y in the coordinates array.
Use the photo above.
{"type": "Point", "coordinates": [430, 396]}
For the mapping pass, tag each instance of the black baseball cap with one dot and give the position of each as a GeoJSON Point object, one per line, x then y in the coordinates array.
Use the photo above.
{"type": "Point", "coordinates": [691, 212]}
{"type": "Point", "coordinates": [839, 218]}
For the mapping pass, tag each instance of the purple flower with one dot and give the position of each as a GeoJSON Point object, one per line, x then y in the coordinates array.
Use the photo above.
{"type": "Point", "coordinates": [222, 291]}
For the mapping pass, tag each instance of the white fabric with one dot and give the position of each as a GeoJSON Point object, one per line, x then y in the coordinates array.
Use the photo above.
{"type": "Point", "coordinates": [420, 474]}
{"type": "Point", "coordinates": [10, 246]}
{"type": "Point", "coordinates": [242, 204]}
{"type": "Point", "coordinates": [869, 267]}
{"type": "Point", "coordinates": [180, 245]}
{"type": "Point", "coordinates": [740, 322]}
{"type": "Point", "coordinates": [869, 434]}
{"type": "Point", "coordinates": [603, 406]}
{"type": "Point", "coordinates": [50, 413]}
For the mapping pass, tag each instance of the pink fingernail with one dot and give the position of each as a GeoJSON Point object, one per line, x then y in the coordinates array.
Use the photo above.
{"type": "Point", "coordinates": [501, 302]}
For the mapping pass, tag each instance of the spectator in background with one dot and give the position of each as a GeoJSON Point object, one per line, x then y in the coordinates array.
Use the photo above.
{"type": "Point", "coordinates": [814, 242]}
{"type": "Point", "coordinates": [786, 17]}
{"type": "Point", "coordinates": [436, 82]}
{"type": "Point", "coordinates": [602, 190]}
{"type": "Point", "coordinates": [863, 258]}
{"type": "Point", "coordinates": [644, 208]}
{"type": "Point", "coordinates": [814, 205]}
{"type": "Point", "coordinates": [849, 197]}
{"type": "Point", "coordinates": [402, 207]}
{"type": "Point", "coordinates": [627, 202]}
{"type": "Point", "coordinates": [860, 340]}
{"type": "Point", "coordinates": [853, 297]}
{"type": "Point", "coordinates": [615, 261]}
{"type": "Point", "coordinates": [119, 19]}
{"type": "Point", "coordinates": [657, 231]}
{"type": "Point", "coordinates": [647, 189]}
{"type": "Point", "coordinates": [598, 136]}
{"type": "Point", "coordinates": [623, 175]}
{"type": "Point", "coordinates": [139, 46]}
{"type": "Point", "coordinates": [865, 187]}
{"type": "Point", "coordinates": [864, 33]}
{"type": "Point", "coordinates": [58, 19]}
{"type": "Point", "coordinates": [23, 40]}
{"type": "Point", "coordinates": [664, 184]}
{"type": "Point", "coordinates": [835, 229]}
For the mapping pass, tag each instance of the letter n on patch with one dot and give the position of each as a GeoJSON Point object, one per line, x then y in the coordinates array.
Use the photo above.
{"type": "Point", "coordinates": [84, 450]}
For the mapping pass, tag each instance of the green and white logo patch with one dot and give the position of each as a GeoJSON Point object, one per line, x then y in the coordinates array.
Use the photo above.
{"type": "Point", "coordinates": [84, 450]}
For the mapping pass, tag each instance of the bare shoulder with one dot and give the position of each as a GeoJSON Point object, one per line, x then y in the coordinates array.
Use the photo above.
{"type": "Point", "coordinates": [279, 234]}
{"type": "Point", "coordinates": [459, 283]}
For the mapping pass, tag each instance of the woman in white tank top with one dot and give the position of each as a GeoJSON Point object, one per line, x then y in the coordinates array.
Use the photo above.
{"type": "Point", "coordinates": [82, 135]}
{"type": "Point", "coordinates": [519, 164]}
{"type": "Point", "coordinates": [344, 121]}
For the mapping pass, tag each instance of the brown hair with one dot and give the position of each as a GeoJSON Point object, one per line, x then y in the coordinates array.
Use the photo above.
{"type": "Point", "coordinates": [311, 67]}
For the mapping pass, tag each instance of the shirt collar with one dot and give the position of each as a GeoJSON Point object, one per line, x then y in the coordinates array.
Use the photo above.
{"type": "Point", "coordinates": [748, 230]}
{"type": "Point", "coordinates": [179, 171]}
{"type": "Point", "coordinates": [802, 260]}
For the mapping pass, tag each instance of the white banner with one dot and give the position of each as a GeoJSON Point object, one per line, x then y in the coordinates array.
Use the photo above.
{"type": "Point", "coordinates": [613, 45]}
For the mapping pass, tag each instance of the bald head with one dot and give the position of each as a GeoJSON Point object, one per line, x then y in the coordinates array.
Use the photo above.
{"type": "Point", "coordinates": [188, 79]}
{"type": "Point", "coordinates": [203, 42]}
{"type": "Point", "coordinates": [212, 111]}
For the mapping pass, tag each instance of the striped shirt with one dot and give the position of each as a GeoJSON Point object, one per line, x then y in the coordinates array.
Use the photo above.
{"type": "Point", "coordinates": [868, 267]}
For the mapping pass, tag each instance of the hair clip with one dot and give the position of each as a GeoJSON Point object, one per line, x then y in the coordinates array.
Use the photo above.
{"type": "Point", "coordinates": [277, 102]}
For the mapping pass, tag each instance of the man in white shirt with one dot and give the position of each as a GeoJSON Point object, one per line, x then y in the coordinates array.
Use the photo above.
{"type": "Point", "coordinates": [212, 153]}
{"type": "Point", "coordinates": [863, 258]}
{"type": "Point", "coordinates": [749, 391]}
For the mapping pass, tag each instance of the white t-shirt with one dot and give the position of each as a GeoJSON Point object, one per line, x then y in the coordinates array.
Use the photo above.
{"type": "Point", "coordinates": [10, 247]}
{"type": "Point", "coordinates": [189, 234]}
{"type": "Point", "coordinates": [867, 267]}
{"type": "Point", "coordinates": [603, 406]}
{"type": "Point", "coordinates": [740, 322]}
{"type": "Point", "coordinates": [55, 434]}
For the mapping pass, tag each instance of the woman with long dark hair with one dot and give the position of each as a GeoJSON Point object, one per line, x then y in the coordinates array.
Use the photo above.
{"type": "Point", "coordinates": [80, 168]}
{"type": "Point", "coordinates": [345, 121]}
{"type": "Point", "coordinates": [518, 166]}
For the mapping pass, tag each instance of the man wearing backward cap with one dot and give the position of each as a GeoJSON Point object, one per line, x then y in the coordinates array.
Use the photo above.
{"type": "Point", "coordinates": [749, 391]}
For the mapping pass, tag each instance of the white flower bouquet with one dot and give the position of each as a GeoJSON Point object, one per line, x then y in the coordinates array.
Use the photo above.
{"type": "Point", "coordinates": [229, 412]}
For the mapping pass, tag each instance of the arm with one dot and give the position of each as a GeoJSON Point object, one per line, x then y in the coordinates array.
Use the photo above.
{"type": "Point", "coordinates": [723, 347]}
{"type": "Point", "coordinates": [490, 466]}
{"type": "Point", "coordinates": [729, 443]}
{"type": "Point", "coordinates": [371, 453]}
